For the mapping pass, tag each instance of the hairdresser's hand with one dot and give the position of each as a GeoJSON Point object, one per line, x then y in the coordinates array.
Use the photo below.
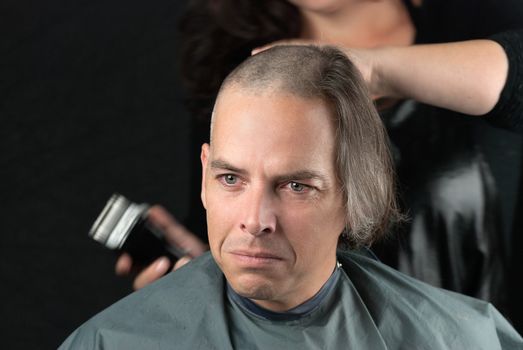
{"type": "Point", "coordinates": [176, 234]}
{"type": "Point", "coordinates": [364, 59]}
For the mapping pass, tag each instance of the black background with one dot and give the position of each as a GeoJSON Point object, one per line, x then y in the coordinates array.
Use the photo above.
{"type": "Point", "coordinates": [90, 104]}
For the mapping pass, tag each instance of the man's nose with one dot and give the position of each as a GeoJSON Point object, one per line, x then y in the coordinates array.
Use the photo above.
{"type": "Point", "coordinates": [258, 213]}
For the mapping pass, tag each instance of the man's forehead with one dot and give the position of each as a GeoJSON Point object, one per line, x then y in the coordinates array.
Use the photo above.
{"type": "Point", "coordinates": [250, 105]}
{"type": "Point", "coordinates": [278, 131]}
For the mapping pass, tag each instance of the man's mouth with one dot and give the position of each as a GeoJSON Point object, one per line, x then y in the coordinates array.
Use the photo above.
{"type": "Point", "coordinates": [255, 257]}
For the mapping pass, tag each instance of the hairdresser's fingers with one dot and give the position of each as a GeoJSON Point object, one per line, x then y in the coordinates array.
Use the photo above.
{"type": "Point", "coordinates": [176, 233]}
{"type": "Point", "coordinates": [123, 265]}
{"type": "Point", "coordinates": [365, 61]}
{"type": "Point", "coordinates": [182, 261]}
{"type": "Point", "coordinates": [283, 42]}
{"type": "Point", "coordinates": [150, 274]}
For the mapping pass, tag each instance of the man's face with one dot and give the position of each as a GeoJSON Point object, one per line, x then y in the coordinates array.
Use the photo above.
{"type": "Point", "coordinates": [274, 205]}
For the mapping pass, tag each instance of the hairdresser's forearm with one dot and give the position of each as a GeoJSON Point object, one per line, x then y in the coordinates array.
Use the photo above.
{"type": "Point", "coordinates": [466, 77]}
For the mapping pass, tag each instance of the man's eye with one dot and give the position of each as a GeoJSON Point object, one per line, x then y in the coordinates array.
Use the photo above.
{"type": "Point", "coordinates": [230, 179]}
{"type": "Point", "coordinates": [297, 187]}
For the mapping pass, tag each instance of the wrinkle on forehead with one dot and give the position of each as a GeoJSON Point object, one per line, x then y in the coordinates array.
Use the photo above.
{"type": "Point", "coordinates": [277, 132]}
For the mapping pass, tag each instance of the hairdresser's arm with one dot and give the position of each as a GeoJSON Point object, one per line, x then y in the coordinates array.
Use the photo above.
{"type": "Point", "coordinates": [466, 77]}
{"type": "Point", "coordinates": [176, 234]}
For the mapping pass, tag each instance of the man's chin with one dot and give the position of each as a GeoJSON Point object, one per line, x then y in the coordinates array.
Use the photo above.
{"type": "Point", "coordinates": [253, 287]}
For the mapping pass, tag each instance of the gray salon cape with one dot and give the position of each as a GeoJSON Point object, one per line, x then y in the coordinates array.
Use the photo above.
{"type": "Point", "coordinates": [372, 307]}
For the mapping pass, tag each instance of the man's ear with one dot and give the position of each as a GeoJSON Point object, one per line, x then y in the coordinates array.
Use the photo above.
{"type": "Point", "coordinates": [204, 156]}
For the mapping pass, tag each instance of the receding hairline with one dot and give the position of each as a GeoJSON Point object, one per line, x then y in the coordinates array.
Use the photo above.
{"type": "Point", "coordinates": [278, 87]}
{"type": "Point", "coordinates": [291, 69]}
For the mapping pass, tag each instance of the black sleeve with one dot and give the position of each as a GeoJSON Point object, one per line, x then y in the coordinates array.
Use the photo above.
{"type": "Point", "coordinates": [508, 112]}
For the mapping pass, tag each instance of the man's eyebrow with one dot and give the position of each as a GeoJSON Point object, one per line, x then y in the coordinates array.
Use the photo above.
{"type": "Point", "coordinates": [292, 176]}
{"type": "Point", "coordinates": [303, 175]}
{"type": "Point", "coordinates": [221, 164]}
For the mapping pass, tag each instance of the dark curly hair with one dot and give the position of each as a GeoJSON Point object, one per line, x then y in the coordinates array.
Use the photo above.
{"type": "Point", "coordinates": [217, 35]}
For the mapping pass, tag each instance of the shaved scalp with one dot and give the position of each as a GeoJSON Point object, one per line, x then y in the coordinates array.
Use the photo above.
{"type": "Point", "coordinates": [293, 69]}
{"type": "Point", "coordinates": [363, 161]}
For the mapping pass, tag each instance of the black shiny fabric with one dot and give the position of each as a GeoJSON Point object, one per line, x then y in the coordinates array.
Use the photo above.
{"type": "Point", "coordinates": [453, 238]}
